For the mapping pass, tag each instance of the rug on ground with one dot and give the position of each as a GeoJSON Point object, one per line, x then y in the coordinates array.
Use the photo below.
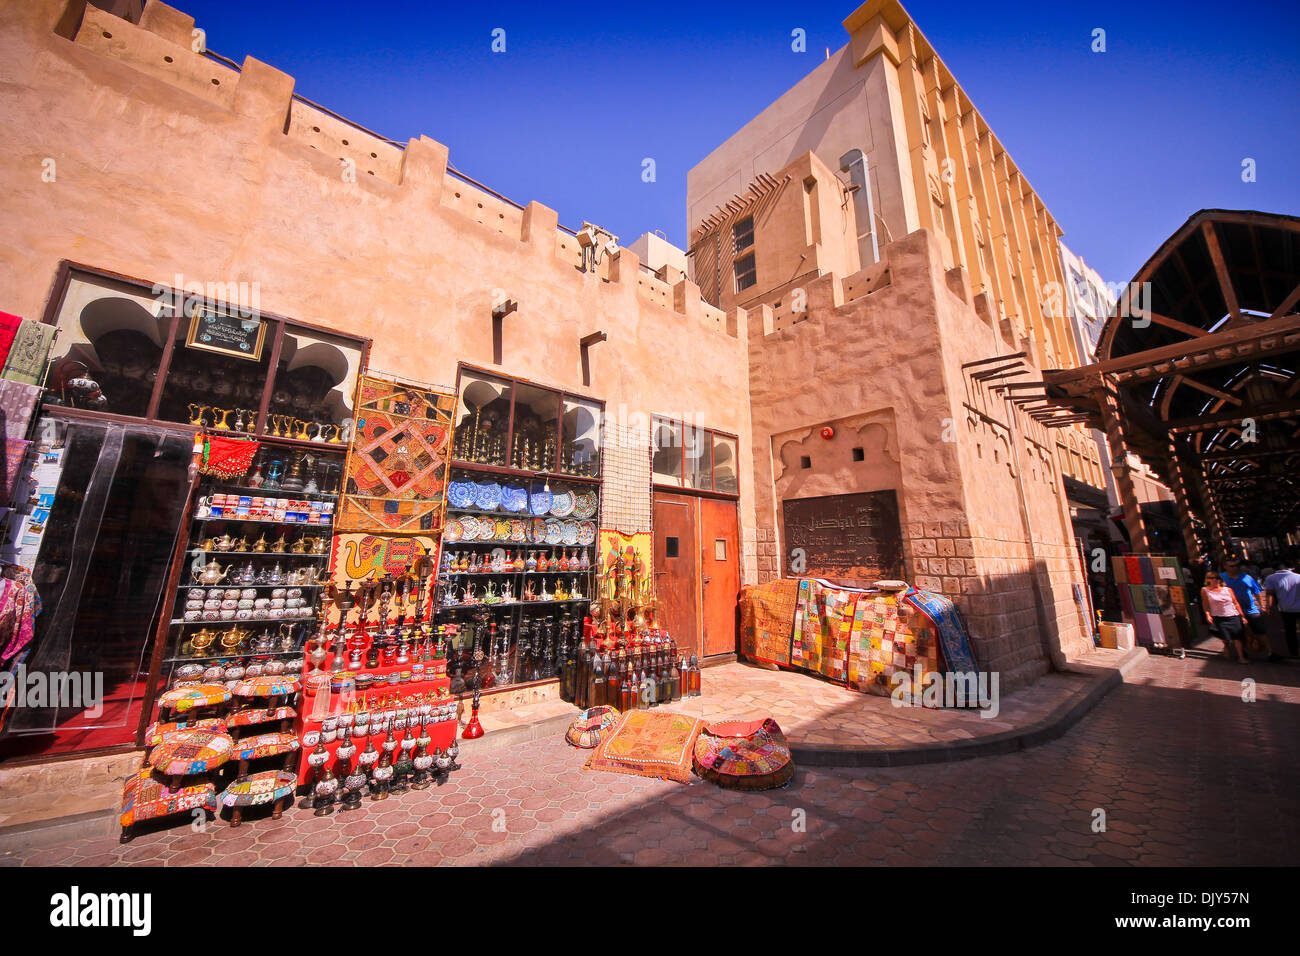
{"type": "Point", "coordinates": [649, 744]}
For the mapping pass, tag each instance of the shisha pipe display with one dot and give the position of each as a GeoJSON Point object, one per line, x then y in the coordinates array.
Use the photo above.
{"type": "Point", "coordinates": [627, 607]}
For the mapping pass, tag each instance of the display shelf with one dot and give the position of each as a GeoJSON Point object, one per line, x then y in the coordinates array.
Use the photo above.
{"type": "Point", "coordinates": [251, 622]}
{"type": "Point", "coordinates": [264, 492]}
{"type": "Point", "coordinates": [228, 586]}
{"type": "Point", "coordinates": [244, 519]}
{"type": "Point", "coordinates": [549, 476]}
{"type": "Point", "coordinates": [236, 655]}
{"type": "Point", "coordinates": [195, 552]}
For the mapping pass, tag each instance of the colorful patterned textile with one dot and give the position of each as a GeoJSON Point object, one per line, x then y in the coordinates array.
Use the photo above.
{"type": "Point", "coordinates": [397, 465]}
{"type": "Point", "coordinates": [261, 715]}
{"type": "Point", "coordinates": [19, 605]}
{"type": "Point", "coordinates": [266, 745]}
{"type": "Point", "coordinates": [15, 450]}
{"type": "Point", "coordinates": [649, 744]}
{"type": "Point", "coordinates": [266, 685]}
{"type": "Point", "coordinates": [29, 352]}
{"type": "Point", "coordinates": [258, 788]}
{"type": "Point", "coordinates": [160, 729]}
{"type": "Point", "coordinates": [954, 641]}
{"type": "Point", "coordinates": [637, 552]}
{"type": "Point", "coordinates": [181, 699]}
{"type": "Point", "coordinates": [749, 755]}
{"type": "Point", "coordinates": [190, 751]}
{"type": "Point", "coordinates": [18, 403]}
{"type": "Point", "coordinates": [822, 622]}
{"type": "Point", "coordinates": [227, 457]}
{"type": "Point", "coordinates": [884, 643]}
{"type": "Point", "coordinates": [590, 725]}
{"type": "Point", "coordinates": [9, 325]}
{"type": "Point", "coordinates": [147, 796]}
{"type": "Point", "coordinates": [767, 620]}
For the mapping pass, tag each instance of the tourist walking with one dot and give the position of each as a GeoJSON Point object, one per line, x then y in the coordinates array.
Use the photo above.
{"type": "Point", "coordinates": [1248, 590]}
{"type": "Point", "coordinates": [1223, 611]}
{"type": "Point", "coordinates": [1283, 593]}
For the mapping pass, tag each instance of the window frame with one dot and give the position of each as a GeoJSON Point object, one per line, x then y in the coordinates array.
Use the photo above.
{"type": "Point", "coordinates": [465, 368]}
{"type": "Point", "coordinates": [710, 434]}
{"type": "Point", "coordinates": [69, 270]}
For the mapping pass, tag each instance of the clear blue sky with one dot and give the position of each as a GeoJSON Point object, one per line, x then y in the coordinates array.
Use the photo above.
{"type": "Point", "coordinates": [1122, 146]}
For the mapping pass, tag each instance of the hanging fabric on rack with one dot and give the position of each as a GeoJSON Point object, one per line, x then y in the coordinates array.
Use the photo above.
{"type": "Point", "coordinates": [227, 457]}
{"type": "Point", "coordinates": [9, 325]}
{"type": "Point", "coordinates": [28, 353]}
{"type": "Point", "coordinates": [19, 605]}
{"type": "Point", "coordinates": [17, 404]}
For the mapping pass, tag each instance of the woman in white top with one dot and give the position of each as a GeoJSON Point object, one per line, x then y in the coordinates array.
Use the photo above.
{"type": "Point", "coordinates": [1221, 609]}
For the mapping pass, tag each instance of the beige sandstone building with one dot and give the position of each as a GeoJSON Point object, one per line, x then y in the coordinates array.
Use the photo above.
{"type": "Point", "coordinates": [854, 249]}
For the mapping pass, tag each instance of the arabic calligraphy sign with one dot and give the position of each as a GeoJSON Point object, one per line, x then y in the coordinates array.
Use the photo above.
{"type": "Point", "coordinates": [844, 538]}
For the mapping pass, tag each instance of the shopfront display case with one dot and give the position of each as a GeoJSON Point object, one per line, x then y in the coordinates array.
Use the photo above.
{"type": "Point", "coordinates": [130, 352]}
{"type": "Point", "coordinates": [517, 573]}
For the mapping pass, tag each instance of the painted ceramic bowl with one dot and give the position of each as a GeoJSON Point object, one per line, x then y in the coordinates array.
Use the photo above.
{"type": "Point", "coordinates": [514, 498]}
{"type": "Point", "coordinates": [451, 530]}
{"type": "Point", "coordinates": [539, 502]}
{"type": "Point", "coordinates": [562, 504]}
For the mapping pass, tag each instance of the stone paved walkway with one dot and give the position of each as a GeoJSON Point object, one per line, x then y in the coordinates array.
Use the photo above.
{"type": "Point", "coordinates": [1186, 772]}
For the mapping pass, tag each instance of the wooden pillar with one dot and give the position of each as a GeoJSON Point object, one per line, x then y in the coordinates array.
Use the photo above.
{"type": "Point", "coordinates": [1133, 521]}
{"type": "Point", "coordinates": [1183, 499]}
{"type": "Point", "coordinates": [1220, 540]}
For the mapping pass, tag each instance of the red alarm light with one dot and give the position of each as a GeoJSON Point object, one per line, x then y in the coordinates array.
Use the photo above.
{"type": "Point", "coordinates": [828, 433]}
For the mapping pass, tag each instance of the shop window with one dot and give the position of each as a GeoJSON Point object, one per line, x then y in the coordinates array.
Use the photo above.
{"type": "Point", "coordinates": [219, 366]}
{"type": "Point", "coordinates": [725, 470]}
{"type": "Point", "coordinates": [698, 446]}
{"type": "Point", "coordinates": [667, 460]}
{"type": "Point", "coordinates": [536, 428]}
{"type": "Point", "coordinates": [743, 233]}
{"type": "Point", "coordinates": [719, 549]}
{"type": "Point", "coordinates": [859, 455]}
{"type": "Point", "coordinates": [746, 275]}
{"type": "Point", "coordinates": [510, 423]}
{"type": "Point", "coordinates": [693, 457]}
{"type": "Point", "coordinates": [484, 423]}
{"type": "Point", "coordinates": [315, 381]}
{"type": "Point", "coordinates": [108, 347]}
{"type": "Point", "coordinates": [580, 438]}
{"type": "Point", "coordinates": [670, 547]}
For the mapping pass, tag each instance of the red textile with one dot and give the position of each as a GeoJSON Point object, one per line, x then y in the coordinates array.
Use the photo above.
{"type": "Point", "coordinates": [8, 329]}
{"type": "Point", "coordinates": [228, 457]}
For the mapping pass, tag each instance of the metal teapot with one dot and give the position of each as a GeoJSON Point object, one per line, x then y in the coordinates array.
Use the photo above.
{"type": "Point", "coordinates": [211, 573]}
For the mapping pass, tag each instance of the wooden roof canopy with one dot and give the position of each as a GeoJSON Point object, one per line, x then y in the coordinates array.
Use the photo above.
{"type": "Point", "coordinates": [1215, 372]}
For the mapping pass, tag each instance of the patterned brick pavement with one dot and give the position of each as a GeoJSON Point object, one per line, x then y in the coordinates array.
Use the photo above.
{"type": "Point", "coordinates": [1186, 773]}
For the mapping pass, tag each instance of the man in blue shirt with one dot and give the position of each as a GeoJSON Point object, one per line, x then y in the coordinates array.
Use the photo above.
{"type": "Point", "coordinates": [1247, 590]}
{"type": "Point", "coordinates": [1283, 590]}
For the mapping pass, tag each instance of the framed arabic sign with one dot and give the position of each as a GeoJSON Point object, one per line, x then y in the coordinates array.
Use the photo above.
{"type": "Point", "coordinates": [846, 539]}
{"type": "Point", "coordinates": [227, 332]}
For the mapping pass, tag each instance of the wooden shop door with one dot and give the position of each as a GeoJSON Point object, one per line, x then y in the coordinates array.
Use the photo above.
{"type": "Point", "coordinates": [677, 575]}
{"type": "Point", "coordinates": [720, 574]}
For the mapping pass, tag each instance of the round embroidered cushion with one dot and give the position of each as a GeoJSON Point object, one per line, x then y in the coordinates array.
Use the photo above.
{"type": "Point", "coordinates": [588, 726]}
{"type": "Point", "coordinates": [744, 755]}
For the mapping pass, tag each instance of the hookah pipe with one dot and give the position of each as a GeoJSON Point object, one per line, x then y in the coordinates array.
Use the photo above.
{"type": "Point", "coordinates": [474, 729]}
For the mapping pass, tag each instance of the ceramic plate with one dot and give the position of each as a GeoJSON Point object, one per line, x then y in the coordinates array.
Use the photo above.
{"type": "Point", "coordinates": [460, 494]}
{"type": "Point", "coordinates": [569, 532]}
{"type": "Point", "coordinates": [502, 529]}
{"type": "Point", "coordinates": [586, 532]}
{"type": "Point", "coordinates": [452, 531]}
{"type": "Point", "coordinates": [539, 502]}
{"type": "Point", "coordinates": [584, 504]}
{"type": "Point", "coordinates": [514, 498]}
{"type": "Point", "coordinates": [487, 529]}
{"type": "Point", "coordinates": [562, 504]}
{"type": "Point", "coordinates": [518, 530]}
{"type": "Point", "coordinates": [537, 531]}
{"type": "Point", "coordinates": [554, 531]}
{"type": "Point", "coordinates": [468, 527]}
{"type": "Point", "coordinates": [487, 495]}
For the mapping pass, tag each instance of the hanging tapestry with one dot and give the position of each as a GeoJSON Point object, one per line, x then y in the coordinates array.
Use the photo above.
{"type": "Point", "coordinates": [397, 464]}
{"type": "Point", "coordinates": [28, 354]}
{"type": "Point", "coordinates": [628, 557]}
{"type": "Point", "coordinates": [358, 557]}
{"type": "Point", "coordinates": [17, 404]}
{"type": "Point", "coordinates": [767, 620]}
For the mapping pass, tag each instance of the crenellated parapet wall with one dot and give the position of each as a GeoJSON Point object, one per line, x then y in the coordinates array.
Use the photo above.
{"type": "Point", "coordinates": [166, 46]}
